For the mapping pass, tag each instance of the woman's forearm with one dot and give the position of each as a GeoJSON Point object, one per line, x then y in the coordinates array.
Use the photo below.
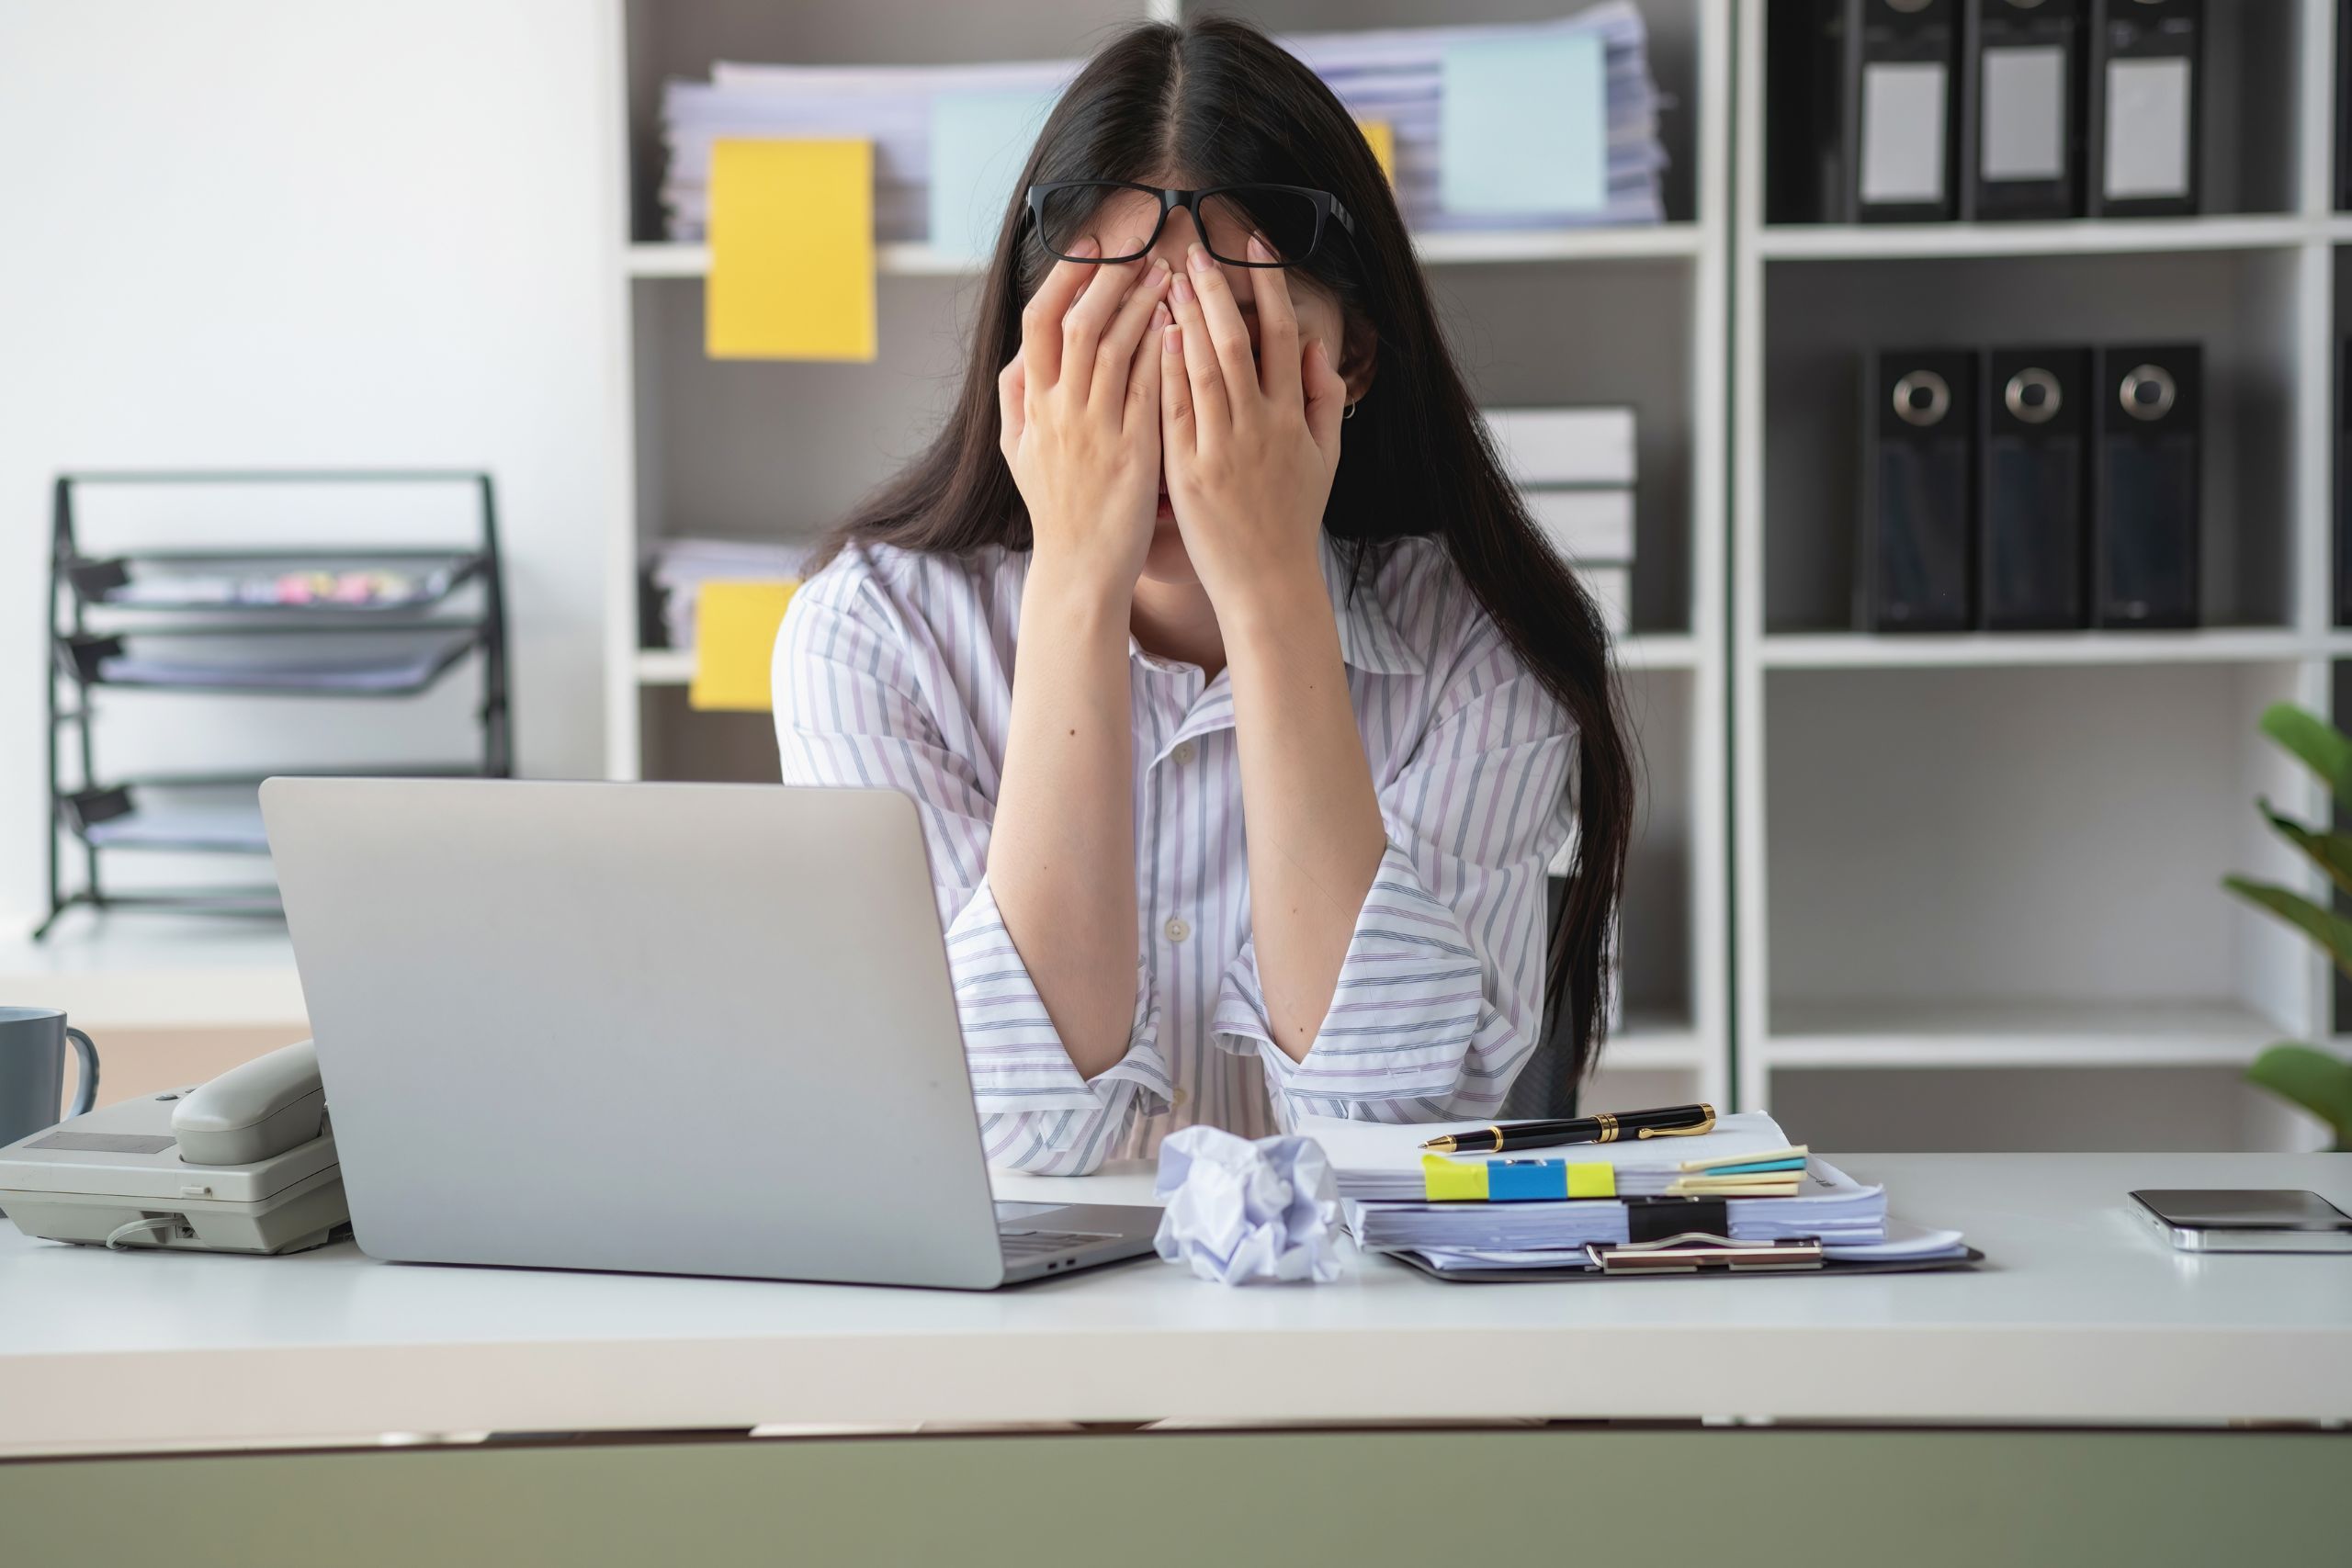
{"type": "Point", "coordinates": [1315, 837]}
{"type": "Point", "coordinates": [1061, 855]}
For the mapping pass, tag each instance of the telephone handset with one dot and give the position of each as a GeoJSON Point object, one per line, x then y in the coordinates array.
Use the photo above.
{"type": "Point", "coordinates": [245, 1163]}
{"type": "Point", "coordinates": [266, 1107]}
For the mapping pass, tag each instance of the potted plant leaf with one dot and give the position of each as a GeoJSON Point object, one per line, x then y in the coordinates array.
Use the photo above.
{"type": "Point", "coordinates": [2317, 1079]}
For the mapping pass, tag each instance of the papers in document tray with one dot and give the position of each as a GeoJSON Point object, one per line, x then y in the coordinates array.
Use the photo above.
{"type": "Point", "coordinates": [388, 663]}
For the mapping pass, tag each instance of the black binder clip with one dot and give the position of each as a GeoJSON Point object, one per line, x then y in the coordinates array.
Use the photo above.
{"type": "Point", "coordinates": [1696, 1252]}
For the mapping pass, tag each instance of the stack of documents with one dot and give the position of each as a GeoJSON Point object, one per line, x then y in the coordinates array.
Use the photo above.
{"type": "Point", "coordinates": [1536, 125]}
{"type": "Point", "coordinates": [1833, 1207]}
{"type": "Point", "coordinates": [1541, 1208]}
{"type": "Point", "coordinates": [1575, 470]}
{"type": "Point", "coordinates": [679, 568]}
{"type": "Point", "coordinates": [1551, 124]}
{"type": "Point", "coordinates": [893, 106]}
{"type": "Point", "coordinates": [1904, 1243]}
{"type": "Point", "coordinates": [1543, 1175]}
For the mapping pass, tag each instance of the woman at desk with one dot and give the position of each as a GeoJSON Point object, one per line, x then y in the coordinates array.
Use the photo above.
{"type": "Point", "coordinates": [1304, 708]}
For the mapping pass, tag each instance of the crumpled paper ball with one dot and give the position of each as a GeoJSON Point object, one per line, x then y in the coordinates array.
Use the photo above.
{"type": "Point", "coordinates": [1239, 1211]}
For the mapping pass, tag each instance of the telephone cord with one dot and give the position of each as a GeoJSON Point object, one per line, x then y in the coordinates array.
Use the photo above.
{"type": "Point", "coordinates": [154, 1223]}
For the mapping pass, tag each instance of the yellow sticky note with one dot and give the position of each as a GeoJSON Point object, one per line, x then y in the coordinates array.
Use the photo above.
{"type": "Point", "coordinates": [1383, 138]}
{"type": "Point", "coordinates": [791, 251]}
{"type": "Point", "coordinates": [1450, 1180]}
{"type": "Point", "coordinates": [735, 626]}
{"type": "Point", "coordinates": [1592, 1180]}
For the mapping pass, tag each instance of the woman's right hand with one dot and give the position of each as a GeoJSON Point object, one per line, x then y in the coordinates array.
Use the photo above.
{"type": "Point", "coordinates": [1080, 410]}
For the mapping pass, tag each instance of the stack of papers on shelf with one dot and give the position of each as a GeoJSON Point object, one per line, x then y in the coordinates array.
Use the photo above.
{"type": "Point", "coordinates": [890, 106]}
{"type": "Point", "coordinates": [1536, 125]}
{"type": "Point", "coordinates": [679, 568]}
{"type": "Point", "coordinates": [1575, 469]}
{"type": "Point", "coordinates": [1386, 1185]}
{"type": "Point", "coordinates": [1541, 125]}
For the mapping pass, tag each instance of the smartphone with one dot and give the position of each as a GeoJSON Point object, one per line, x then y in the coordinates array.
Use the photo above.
{"type": "Point", "coordinates": [2274, 1219]}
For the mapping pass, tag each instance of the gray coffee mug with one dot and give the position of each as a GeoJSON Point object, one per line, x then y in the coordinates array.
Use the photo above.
{"type": "Point", "coordinates": [32, 1070]}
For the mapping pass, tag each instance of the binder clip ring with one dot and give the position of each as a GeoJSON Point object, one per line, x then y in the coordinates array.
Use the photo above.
{"type": "Point", "coordinates": [2026, 408]}
{"type": "Point", "coordinates": [1922, 397]}
{"type": "Point", "coordinates": [2147, 391]}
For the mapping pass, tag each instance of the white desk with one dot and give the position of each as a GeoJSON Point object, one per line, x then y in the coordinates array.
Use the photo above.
{"type": "Point", "coordinates": [2079, 1316]}
{"type": "Point", "coordinates": [2080, 1320]}
{"type": "Point", "coordinates": [137, 969]}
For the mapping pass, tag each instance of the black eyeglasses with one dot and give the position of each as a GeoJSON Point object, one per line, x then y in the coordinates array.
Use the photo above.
{"type": "Point", "coordinates": [1290, 219]}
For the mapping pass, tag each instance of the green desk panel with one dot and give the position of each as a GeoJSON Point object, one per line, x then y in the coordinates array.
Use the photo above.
{"type": "Point", "coordinates": [1745, 1498]}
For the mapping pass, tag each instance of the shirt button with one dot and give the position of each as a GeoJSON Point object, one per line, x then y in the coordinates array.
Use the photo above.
{"type": "Point", "coordinates": [1183, 1098]}
{"type": "Point", "coordinates": [1183, 754]}
{"type": "Point", "coordinates": [1177, 930]}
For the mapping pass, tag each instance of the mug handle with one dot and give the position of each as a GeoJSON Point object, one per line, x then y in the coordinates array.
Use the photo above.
{"type": "Point", "coordinates": [85, 1094]}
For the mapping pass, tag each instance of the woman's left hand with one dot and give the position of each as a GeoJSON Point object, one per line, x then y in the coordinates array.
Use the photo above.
{"type": "Point", "coordinates": [1250, 444]}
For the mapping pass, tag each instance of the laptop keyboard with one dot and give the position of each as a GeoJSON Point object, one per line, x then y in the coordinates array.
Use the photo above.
{"type": "Point", "coordinates": [1021, 1247]}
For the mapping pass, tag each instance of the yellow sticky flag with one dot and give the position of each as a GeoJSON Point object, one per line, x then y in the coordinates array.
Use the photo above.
{"type": "Point", "coordinates": [791, 251]}
{"type": "Point", "coordinates": [1593, 1180]}
{"type": "Point", "coordinates": [1382, 138]}
{"type": "Point", "coordinates": [735, 627]}
{"type": "Point", "coordinates": [1454, 1180]}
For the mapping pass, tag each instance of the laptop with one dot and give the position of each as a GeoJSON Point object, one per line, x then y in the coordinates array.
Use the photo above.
{"type": "Point", "coordinates": [662, 1028]}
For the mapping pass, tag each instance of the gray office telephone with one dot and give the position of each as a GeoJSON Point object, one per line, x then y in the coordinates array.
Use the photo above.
{"type": "Point", "coordinates": [245, 1163]}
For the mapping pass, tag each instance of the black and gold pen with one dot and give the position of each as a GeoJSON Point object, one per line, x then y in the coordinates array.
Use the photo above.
{"type": "Point", "coordinates": [1602, 1127]}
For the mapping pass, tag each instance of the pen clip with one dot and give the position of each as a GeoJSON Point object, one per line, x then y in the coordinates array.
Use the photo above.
{"type": "Point", "coordinates": [1705, 1124]}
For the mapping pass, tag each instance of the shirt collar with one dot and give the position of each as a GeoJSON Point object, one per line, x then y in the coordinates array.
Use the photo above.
{"type": "Point", "coordinates": [1368, 639]}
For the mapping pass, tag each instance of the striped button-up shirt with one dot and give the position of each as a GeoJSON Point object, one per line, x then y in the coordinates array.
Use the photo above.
{"type": "Point", "coordinates": [896, 669]}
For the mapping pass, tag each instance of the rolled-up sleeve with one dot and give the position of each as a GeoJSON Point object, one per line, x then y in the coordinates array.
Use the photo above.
{"type": "Point", "coordinates": [850, 709]}
{"type": "Point", "coordinates": [1439, 998]}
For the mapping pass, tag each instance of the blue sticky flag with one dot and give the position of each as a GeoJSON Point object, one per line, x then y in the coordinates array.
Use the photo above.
{"type": "Point", "coordinates": [1521, 1180]}
{"type": "Point", "coordinates": [1795, 1162]}
{"type": "Point", "coordinates": [979, 140]}
{"type": "Point", "coordinates": [1523, 125]}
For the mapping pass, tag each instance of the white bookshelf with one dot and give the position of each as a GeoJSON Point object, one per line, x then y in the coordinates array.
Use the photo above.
{"type": "Point", "coordinates": [1627, 315]}
{"type": "Point", "coordinates": [1996, 855]}
{"type": "Point", "coordinates": [1653, 242]}
{"type": "Point", "coordinates": [2090, 236]}
{"type": "Point", "coordinates": [1971, 871]}
{"type": "Point", "coordinates": [1868, 650]}
{"type": "Point", "coordinates": [2016, 1034]}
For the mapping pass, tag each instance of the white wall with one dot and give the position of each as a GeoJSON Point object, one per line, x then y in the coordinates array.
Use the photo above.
{"type": "Point", "coordinates": [272, 232]}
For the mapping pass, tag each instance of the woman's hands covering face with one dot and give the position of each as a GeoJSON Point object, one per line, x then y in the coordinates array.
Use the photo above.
{"type": "Point", "coordinates": [1250, 444]}
{"type": "Point", "coordinates": [1080, 415]}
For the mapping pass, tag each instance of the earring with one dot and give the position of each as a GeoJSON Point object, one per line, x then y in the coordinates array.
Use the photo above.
{"type": "Point", "coordinates": [1350, 411]}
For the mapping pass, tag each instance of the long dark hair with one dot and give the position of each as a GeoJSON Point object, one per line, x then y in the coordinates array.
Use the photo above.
{"type": "Point", "coordinates": [1219, 101]}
